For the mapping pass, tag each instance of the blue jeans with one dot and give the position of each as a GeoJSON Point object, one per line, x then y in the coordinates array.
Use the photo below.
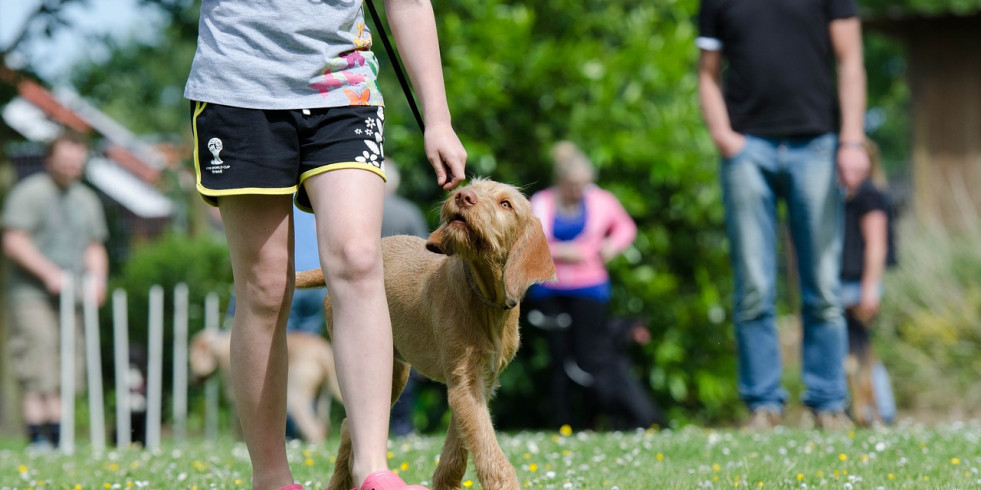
{"type": "Point", "coordinates": [801, 172]}
{"type": "Point", "coordinates": [307, 312]}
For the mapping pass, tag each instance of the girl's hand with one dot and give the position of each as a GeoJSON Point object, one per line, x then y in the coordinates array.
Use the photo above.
{"type": "Point", "coordinates": [446, 154]}
{"type": "Point", "coordinates": [867, 308]}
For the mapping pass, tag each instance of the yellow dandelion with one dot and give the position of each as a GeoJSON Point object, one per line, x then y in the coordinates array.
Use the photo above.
{"type": "Point", "coordinates": [851, 434]}
{"type": "Point", "coordinates": [113, 467]}
{"type": "Point", "coordinates": [820, 474]}
{"type": "Point", "coordinates": [198, 465]}
{"type": "Point", "coordinates": [307, 452]}
{"type": "Point", "coordinates": [891, 476]}
{"type": "Point", "coordinates": [735, 482]}
{"type": "Point", "coordinates": [78, 486]}
{"type": "Point", "coordinates": [555, 438]}
{"type": "Point", "coordinates": [565, 430]}
{"type": "Point", "coordinates": [22, 469]}
{"type": "Point", "coordinates": [566, 452]}
{"type": "Point", "coordinates": [955, 461]}
{"type": "Point", "coordinates": [659, 457]}
{"type": "Point", "coordinates": [238, 482]}
{"type": "Point", "coordinates": [107, 485]}
{"type": "Point", "coordinates": [404, 466]}
{"type": "Point", "coordinates": [134, 465]}
{"type": "Point", "coordinates": [716, 468]}
{"type": "Point", "coordinates": [864, 458]}
{"type": "Point", "coordinates": [332, 459]}
{"type": "Point", "coordinates": [129, 483]}
{"type": "Point", "coordinates": [389, 455]}
{"type": "Point", "coordinates": [926, 478]}
{"type": "Point", "coordinates": [715, 478]}
{"type": "Point", "coordinates": [533, 467]}
{"type": "Point", "coordinates": [843, 457]}
{"type": "Point", "coordinates": [800, 476]}
{"type": "Point", "coordinates": [468, 484]}
{"type": "Point", "coordinates": [759, 484]}
{"type": "Point", "coordinates": [526, 455]}
{"type": "Point", "coordinates": [308, 461]}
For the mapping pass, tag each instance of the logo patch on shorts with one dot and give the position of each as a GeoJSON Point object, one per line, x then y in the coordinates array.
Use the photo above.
{"type": "Point", "coordinates": [217, 164]}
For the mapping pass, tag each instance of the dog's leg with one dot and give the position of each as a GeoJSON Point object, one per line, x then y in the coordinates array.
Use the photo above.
{"type": "Point", "coordinates": [400, 376]}
{"type": "Point", "coordinates": [452, 462]}
{"type": "Point", "coordinates": [342, 478]}
{"type": "Point", "coordinates": [468, 397]}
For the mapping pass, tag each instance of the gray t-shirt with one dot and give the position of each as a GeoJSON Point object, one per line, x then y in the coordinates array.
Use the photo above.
{"type": "Point", "coordinates": [283, 54]}
{"type": "Point", "coordinates": [61, 223]}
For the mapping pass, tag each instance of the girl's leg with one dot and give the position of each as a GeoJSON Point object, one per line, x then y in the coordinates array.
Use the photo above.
{"type": "Point", "coordinates": [348, 207]}
{"type": "Point", "coordinates": [260, 242]}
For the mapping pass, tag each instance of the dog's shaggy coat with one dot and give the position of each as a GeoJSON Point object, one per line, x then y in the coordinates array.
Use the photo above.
{"type": "Point", "coordinates": [453, 301]}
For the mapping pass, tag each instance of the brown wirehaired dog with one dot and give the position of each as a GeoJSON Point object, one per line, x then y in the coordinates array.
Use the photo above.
{"type": "Point", "coordinates": [454, 301]}
{"type": "Point", "coordinates": [311, 375]}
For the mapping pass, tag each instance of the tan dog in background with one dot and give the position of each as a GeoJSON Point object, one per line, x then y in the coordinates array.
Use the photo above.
{"type": "Point", "coordinates": [454, 306]}
{"type": "Point", "coordinates": [311, 375]}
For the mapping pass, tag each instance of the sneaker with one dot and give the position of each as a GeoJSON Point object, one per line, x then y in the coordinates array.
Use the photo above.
{"type": "Point", "coordinates": [833, 420]}
{"type": "Point", "coordinates": [386, 480]}
{"type": "Point", "coordinates": [763, 418]}
{"type": "Point", "coordinates": [827, 420]}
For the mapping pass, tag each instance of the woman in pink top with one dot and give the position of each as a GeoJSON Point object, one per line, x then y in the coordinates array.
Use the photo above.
{"type": "Point", "coordinates": [586, 227]}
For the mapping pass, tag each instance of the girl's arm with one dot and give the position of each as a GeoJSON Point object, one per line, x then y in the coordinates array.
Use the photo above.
{"type": "Point", "coordinates": [874, 226]}
{"type": "Point", "coordinates": [413, 26]}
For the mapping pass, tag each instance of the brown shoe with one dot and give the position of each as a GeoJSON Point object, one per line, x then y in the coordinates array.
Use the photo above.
{"type": "Point", "coordinates": [763, 419]}
{"type": "Point", "coordinates": [833, 420]}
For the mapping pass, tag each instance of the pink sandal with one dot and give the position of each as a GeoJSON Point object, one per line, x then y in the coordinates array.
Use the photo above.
{"type": "Point", "coordinates": [386, 480]}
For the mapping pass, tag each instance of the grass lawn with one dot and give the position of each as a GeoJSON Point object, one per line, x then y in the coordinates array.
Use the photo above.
{"type": "Point", "coordinates": [902, 457]}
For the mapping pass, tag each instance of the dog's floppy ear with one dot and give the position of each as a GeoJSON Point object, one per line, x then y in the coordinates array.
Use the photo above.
{"type": "Point", "coordinates": [529, 262]}
{"type": "Point", "coordinates": [437, 242]}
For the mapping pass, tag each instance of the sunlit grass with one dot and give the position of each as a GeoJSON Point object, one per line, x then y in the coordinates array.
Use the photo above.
{"type": "Point", "coordinates": [902, 457]}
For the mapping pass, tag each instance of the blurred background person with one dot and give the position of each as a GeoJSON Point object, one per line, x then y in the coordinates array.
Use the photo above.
{"type": "Point", "coordinates": [869, 247]}
{"type": "Point", "coordinates": [401, 216]}
{"type": "Point", "coordinates": [54, 226]}
{"type": "Point", "coordinates": [785, 134]}
{"type": "Point", "coordinates": [586, 227]}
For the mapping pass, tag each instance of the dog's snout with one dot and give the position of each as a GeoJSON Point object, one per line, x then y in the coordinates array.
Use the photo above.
{"type": "Point", "coordinates": [466, 198]}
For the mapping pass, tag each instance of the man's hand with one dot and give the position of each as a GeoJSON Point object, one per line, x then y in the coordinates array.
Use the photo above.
{"type": "Point", "coordinates": [853, 165]}
{"type": "Point", "coordinates": [446, 154]}
{"type": "Point", "coordinates": [53, 281]}
{"type": "Point", "coordinates": [730, 143]}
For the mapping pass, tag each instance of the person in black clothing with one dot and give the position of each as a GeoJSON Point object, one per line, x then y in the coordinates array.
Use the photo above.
{"type": "Point", "coordinates": [788, 132]}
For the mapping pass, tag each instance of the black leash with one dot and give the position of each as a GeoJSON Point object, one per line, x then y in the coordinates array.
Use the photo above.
{"type": "Point", "coordinates": [396, 64]}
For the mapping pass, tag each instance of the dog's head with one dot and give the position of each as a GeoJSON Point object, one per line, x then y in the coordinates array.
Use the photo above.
{"type": "Point", "coordinates": [488, 222]}
{"type": "Point", "coordinates": [201, 355]}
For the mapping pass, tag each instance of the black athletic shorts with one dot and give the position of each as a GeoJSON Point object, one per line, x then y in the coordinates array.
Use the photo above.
{"type": "Point", "coordinates": [255, 151]}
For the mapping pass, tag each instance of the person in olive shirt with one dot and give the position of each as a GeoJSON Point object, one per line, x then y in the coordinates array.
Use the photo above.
{"type": "Point", "coordinates": [54, 226]}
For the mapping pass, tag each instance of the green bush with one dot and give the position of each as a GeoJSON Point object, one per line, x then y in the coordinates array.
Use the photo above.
{"type": "Point", "coordinates": [929, 331]}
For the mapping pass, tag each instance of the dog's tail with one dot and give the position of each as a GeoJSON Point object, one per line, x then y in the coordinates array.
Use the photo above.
{"type": "Point", "coordinates": [313, 278]}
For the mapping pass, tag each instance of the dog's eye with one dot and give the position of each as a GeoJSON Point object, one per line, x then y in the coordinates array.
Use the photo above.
{"type": "Point", "coordinates": [506, 204]}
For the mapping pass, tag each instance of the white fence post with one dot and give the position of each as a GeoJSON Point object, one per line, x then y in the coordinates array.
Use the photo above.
{"type": "Point", "coordinates": [93, 363]}
{"type": "Point", "coordinates": [154, 368]}
{"type": "Point", "coordinates": [120, 326]}
{"type": "Point", "coordinates": [211, 315]}
{"type": "Point", "coordinates": [180, 363]}
{"type": "Point", "coordinates": [67, 317]}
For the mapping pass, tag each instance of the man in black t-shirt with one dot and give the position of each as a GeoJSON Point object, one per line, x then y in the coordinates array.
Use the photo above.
{"type": "Point", "coordinates": [785, 134]}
